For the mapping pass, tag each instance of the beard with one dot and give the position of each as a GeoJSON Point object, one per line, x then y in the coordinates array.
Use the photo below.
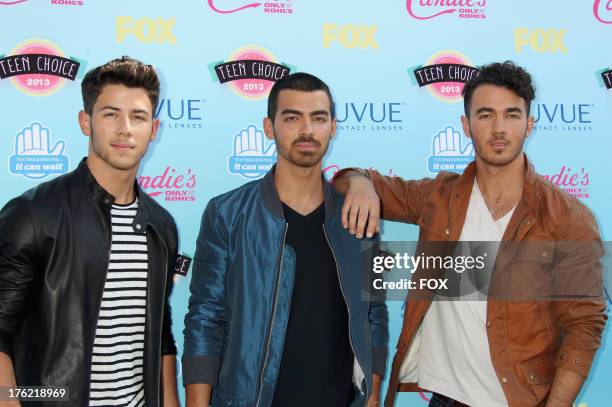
{"type": "Point", "coordinates": [501, 159]}
{"type": "Point", "coordinates": [304, 159]}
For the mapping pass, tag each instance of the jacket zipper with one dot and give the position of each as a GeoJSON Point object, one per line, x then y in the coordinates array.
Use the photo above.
{"type": "Point", "coordinates": [163, 302]}
{"type": "Point", "coordinates": [348, 309]}
{"type": "Point", "coordinates": [265, 361]}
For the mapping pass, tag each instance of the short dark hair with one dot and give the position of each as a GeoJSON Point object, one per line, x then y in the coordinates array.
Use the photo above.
{"type": "Point", "coordinates": [300, 81]}
{"type": "Point", "coordinates": [121, 71]}
{"type": "Point", "coordinates": [505, 74]}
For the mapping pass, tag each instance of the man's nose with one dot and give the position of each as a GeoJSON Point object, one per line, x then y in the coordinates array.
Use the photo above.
{"type": "Point", "coordinates": [306, 126]}
{"type": "Point", "coordinates": [125, 126]}
{"type": "Point", "coordinates": [499, 125]}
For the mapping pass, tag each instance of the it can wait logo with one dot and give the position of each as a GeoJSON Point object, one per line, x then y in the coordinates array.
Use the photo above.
{"type": "Point", "coordinates": [36, 156]}
{"type": "Point", "coordinates": [252, 156]}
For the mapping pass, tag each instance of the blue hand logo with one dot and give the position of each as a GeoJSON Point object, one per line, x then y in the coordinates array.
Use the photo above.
{"type": "Point", "coordinates": [35, 157]}
{"type": "Point", "coordinates": [251, 157]}
{"type": "Point", "coordinates": [449, 153]}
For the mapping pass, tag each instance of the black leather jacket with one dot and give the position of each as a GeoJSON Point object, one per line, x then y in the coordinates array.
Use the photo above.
{"type": "Point", "coordinates": [54, 253]}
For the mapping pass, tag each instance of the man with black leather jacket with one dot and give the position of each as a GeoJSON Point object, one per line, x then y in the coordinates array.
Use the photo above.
{"type": "Point", "coordinates": [86, 262]}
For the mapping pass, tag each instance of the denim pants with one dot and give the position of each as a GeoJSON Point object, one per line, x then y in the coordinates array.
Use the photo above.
{"type": "Point", "coordinates": [438, 400]}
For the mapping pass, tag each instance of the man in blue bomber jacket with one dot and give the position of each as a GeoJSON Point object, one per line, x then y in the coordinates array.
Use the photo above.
{"type": "Point", "coordinates": [276, 315]}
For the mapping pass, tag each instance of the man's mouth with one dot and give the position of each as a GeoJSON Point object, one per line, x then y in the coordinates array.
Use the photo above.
{"type": "Point", "coordinates": [306, 145]}
{"type": "Point", "coordinates": [122, 145]}
{"type": "Point", "coordinates": [498, 144]}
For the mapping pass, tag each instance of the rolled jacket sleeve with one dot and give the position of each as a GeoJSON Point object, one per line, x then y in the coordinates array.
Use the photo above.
{"type": "Point", "coordinates": [578, 276]}
{"type": "Point", "coordinates": [206, 320]}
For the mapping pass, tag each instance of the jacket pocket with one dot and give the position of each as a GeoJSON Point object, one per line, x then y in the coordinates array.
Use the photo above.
{"type": "Point", "coordinates": [530, 275]}
{"type": "Point", "coordinates": [539, 373]}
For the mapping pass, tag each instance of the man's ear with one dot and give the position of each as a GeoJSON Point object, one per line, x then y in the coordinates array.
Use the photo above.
{"type": "Point", "coordinates": [268, 127]}
{"type": "Point", "coordinates": [465, 123]}
{"type": "Point", "coordinates": [334, 127]}
{"type": "Point", "coordinates": [85, 123]}
{"type": "Point", "coordinates": [530, 124]}
{"type": "Point", "coordinates": [154, 129]}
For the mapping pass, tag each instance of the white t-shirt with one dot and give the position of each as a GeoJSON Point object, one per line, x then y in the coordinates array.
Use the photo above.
{"type": "Point", "coordinates": [117, 362]}
{"type": "Point", "coordinates": [454, 357]}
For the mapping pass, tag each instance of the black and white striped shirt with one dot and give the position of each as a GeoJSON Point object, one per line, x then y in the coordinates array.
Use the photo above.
{"type": "Point", "coordinates": [118, 352]}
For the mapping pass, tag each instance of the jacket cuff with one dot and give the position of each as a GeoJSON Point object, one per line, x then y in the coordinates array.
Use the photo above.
{"type": "Point", "coordinates": [200, 370]}
{"type": "Point", "coordinates": [6, 347]}
{"type": "Point", "coordinates": [169, 349]}
{"type": "Point", "coordinates": [168, 345]}
{"type": "Point", "coordinates": [343, 171]}
{"type": "Point", "coordinates": [575, 361]}
{"type": "Point", "coordinates": [379, 361]}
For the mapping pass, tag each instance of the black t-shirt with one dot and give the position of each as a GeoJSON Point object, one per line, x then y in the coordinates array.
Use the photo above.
{"type": "Point", "coordinates": [317, 364]}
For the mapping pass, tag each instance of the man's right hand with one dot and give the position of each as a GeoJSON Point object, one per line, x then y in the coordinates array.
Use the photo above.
{"type": "Point", "coordinates": [361, 206]}
{"type": "Point", "coordinates": [7, 378]}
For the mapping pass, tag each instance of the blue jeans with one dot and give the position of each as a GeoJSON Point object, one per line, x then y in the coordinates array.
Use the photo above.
{"type": "Point", "coordinates": [438, 400]}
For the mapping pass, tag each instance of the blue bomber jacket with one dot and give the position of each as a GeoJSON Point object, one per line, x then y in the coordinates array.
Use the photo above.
{"type": "Point", "coordinates": [241, 291]}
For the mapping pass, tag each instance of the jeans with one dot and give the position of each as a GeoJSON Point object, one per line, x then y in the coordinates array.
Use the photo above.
{"type": "Point", "coordinates": [438, 400]}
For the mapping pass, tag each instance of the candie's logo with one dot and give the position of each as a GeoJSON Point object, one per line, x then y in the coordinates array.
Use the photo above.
{"type": "Point", "coordinates": [250, 72]}
{"type": "Point", "coordinates": [602, 9]}
{"type": "Point", "coordinates": [38, 67]}
{"type": "Point", "coordinates": [444, 75]}
{"type": "Point", "coordinates": [67, 2]}
{"type": "Point", "coordinates": [170, 185]}
{"type": "Point", "coordinates": [573, 182]}
{"type": "Point", "coordinates": [269, 7]}
{"type": "Point", "coordinates": [464, 9]}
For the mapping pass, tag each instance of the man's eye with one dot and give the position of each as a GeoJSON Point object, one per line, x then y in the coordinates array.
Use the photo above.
{"type": "Point", "coordinates": [110, 114]}
{"type": "Point", "coordinates": [290, 118]}
{"type": "Point", "coordinates": [321, 119]}
{"type": "Point", "coordinates": [139, 118]}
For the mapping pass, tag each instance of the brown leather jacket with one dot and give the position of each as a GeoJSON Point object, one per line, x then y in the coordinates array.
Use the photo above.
{"type": "Point", "coordinates": [528, 340]}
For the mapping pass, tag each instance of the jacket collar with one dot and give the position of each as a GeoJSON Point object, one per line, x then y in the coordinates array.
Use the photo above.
{"type": "Point", "coordinates": [104, 198]}
{"type": "Point", "coordinates": [273, 202]}
{"type": "Point", "coordinates": [526, 210]}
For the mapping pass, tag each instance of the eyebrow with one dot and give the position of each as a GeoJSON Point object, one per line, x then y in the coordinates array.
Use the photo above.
{"type": "Point", "coordinates": [116, 109]}
{"type": "Point", "coordinates": [490, 110]}
{"type": "Point", "coordinates": [297, 112]}
{"type": "Point", "coordinates": [320, 113]}
{"type": "Point", "coordinates": [110, 107]}
{"type": "Point", "coordinates": [514, 110]}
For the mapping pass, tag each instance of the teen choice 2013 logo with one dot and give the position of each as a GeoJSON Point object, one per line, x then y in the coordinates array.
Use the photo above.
{"type": "Point", "coordinates": [250, 72]}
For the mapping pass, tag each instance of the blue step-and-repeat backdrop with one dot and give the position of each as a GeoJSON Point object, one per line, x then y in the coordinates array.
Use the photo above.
{"type": "Point", "coordinates": [396, 69]}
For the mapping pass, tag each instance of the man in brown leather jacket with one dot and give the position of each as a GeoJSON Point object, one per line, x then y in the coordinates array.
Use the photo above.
{"type": "Point", "coordinates": [540, 351]}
